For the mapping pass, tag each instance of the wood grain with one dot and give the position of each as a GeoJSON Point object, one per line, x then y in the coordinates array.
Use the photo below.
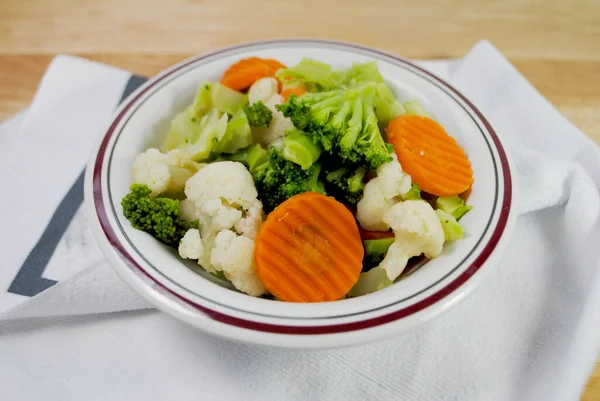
{"type": "Point", "coordinates": [555, 44]}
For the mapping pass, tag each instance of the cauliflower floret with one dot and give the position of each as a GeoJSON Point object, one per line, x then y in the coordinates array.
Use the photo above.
{"type": "Point", "coordinates": [392, 179]}
{"type": "Point", "coordinates": [163, 172]}
{"type": "Point", "coordinates": [380, 194]}
{"type": "Point", "coordinates": [190, 246]}
{"type": "Point", "coordinates": [188, 210]}
{"type": "Point", "coordinates": [216, 215]}
{"type": "Point", "coordinates": [193, 246]}
{"type": "Point", "coordinates": [234, 255]}
{"type": "Point", "coordinates": [223, 198]}
{"type": "Point", "coordinates": [229, 181]}
{"type": "Point", "coordinates": [262, 90]}
{"type": "Point", "coordinates": [417, 230]}
{"type": "Point", "coordinates": [249, 225]}
{"type": "Point", "coordinates": [279, 123]}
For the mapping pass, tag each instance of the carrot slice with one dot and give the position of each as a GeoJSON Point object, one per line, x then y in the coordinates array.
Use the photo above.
{"type": "Point", "coordinates": [309, 249]}
{"type": "Point", "coordinates": [245, 72]}
{"type": "Point", "coordinates": [286, 93]}
{"type": "Point", "coordinates": [430, 156]}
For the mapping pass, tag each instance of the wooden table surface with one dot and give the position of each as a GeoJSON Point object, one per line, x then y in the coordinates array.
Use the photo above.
{"type": "Point", "coordinates": [555, 44]}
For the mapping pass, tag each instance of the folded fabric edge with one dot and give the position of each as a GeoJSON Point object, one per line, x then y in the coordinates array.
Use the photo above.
{"type": "Point", "coordinates": [96, 290]}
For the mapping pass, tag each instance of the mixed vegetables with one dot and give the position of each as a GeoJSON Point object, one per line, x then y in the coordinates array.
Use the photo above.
{"type": "Point", "coordinates": [302, 184]}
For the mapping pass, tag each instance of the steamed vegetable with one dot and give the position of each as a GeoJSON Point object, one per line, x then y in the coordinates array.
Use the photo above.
{"type": "Point", "coordinates": [345, 184]}
{"type": "Point", "coordinates": [380, 194]}
{"type": "Point", "coordinates": [413, 194]}
{"type": "Point", "coordinates": [298, 148]}
{"type": "Point", "coordinates": [309, 250]}
{"type": "Point", "coordinates": [278, 126]}
{"type": "Point", "coordinates": [204, 127]}
{"type": "Point", "coordinates": [343, 122]}
{"type": "Point", "coordinates": [227, 100]}
{"type": "Point", "coordinates": [158, 216]}
{"type": "Point", "coordinates": [386, 106]}
{"type": "Point", "coordinates": [281, 179]}
{"type": "Point", "coordinates": [245, 72]}
{"type": "Point", "coordinates": [454, 205]}
{"type": "Point", "coordinates": [258, 114]}
{"type": "Point", "coordinates": [313, 75]}
{"type": "Point", "coordinates": [225, 198]}
{"type": "Point", "coordinates": [237, 134]}
{"type": "Point", "coordinates": [197, 137]}
{"type": "Point", "coordinates": [262, 90]}
{"type": "Point", "coordinates": [432, 157]}
{"type": "Point", "coordinates": [374, 280]}
{"type": "Point", "coordinates": [316, 76]}
{"type": "Point", "coordinates": [375, 250]}
{"type": "Point", "coordinates": [452, 229]}
{"type": "Point", "coordinates": [254, 157]}
{"type": "Point", "coordinates": [163, 173]}
{"type": "Point", "coordinates": [417, 230]}
{"type": "Point", "coordinates": [234, 256]}
{"type": "Point", "coordinates": [358, 73]}
{"type": "Point", "coordinates": [230, 215]}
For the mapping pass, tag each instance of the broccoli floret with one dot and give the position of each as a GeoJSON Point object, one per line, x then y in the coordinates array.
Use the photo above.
{"type": "Point", "coordinates": [281, 179]}
{"type": "Point", "coordinates": [343, 122]}
{"type": "Point", "coordinates": [346, 185]}
{"type": "Point", "coordinates": [258, 115]}
{"type": "Point", "coordinates": [158, 216]}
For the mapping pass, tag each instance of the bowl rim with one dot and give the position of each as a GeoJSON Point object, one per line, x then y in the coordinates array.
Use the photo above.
{"type": "Point", "coordinates": [110, 243]}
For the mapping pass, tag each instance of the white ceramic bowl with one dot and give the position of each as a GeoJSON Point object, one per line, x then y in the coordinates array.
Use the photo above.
{"type": "Point", "coordinates": [156, 272]}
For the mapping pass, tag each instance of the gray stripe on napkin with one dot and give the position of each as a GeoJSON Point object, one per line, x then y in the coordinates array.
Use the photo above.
{"type": "Point", "coordinates": [29, 280]}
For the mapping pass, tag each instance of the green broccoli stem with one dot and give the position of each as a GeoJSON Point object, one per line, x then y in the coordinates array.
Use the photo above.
{"type": "Point", "coordinates": [300, 149]}
{"type": "Point", "coordinates": [254, 157]}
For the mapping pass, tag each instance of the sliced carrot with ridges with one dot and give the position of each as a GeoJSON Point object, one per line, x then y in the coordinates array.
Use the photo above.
{"type": "Point", "coordinates": [300, 285]}
{"type": "Point", "coordinates": [320, 284]}
{"type": "Point", "coordinates": [334, 278]}
{"type": "Point", "coordinates": [309, 249]}
{"type": "Point", "coordinates": [329, 225]}
{"type": "Point", "coordinates": [430, 156]}
{"type": "Point", "coordinates": [453, 162]}
{"type": "Point", "coordinates": [245, 72]}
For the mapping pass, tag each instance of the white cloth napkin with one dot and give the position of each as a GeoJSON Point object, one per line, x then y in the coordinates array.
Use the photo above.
{"type": "Point", "coordinates": [530, 332]}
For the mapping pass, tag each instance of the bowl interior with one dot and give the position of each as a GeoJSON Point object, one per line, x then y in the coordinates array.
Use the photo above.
{"type": "Point", "coordinates": [146, 123]}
